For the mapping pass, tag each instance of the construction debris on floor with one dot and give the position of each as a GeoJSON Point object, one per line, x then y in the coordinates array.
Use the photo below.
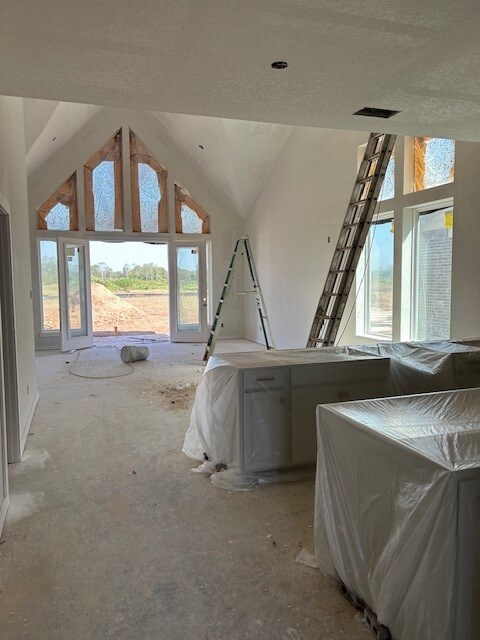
{"type": "Point", "coordinates": [94, 551]}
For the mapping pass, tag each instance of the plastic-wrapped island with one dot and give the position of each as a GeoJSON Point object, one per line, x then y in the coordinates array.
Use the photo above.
{"type": "Point", "coordinates": [397, 509]}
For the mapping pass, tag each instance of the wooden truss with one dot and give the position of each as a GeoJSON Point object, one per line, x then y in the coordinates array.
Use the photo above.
{"type": "Point", "coordinates": [66, 194]}
{"type": "Point", "coordinates": [183, 197]}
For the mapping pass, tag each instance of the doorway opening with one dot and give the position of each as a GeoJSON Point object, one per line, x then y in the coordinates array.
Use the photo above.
{"type": "Point", "coordinates": [129, 288]}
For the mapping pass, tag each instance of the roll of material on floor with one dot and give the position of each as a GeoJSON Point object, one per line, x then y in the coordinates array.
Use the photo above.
{"type": "Point", "coordinates": [130, 353]}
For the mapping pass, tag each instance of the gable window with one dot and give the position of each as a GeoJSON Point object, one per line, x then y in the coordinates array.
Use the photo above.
{"type": "Point", "coordinates": [104, 187]}
{"type": "Point", "coordinates": [433, 273]}
{"type": "Point", "coordinates": [149, 189]}
{"type": "Point", "coordinates": [190, 217]}
{"type": "Point", "coordinates": [59, 212]}
{"type": "Point", "coordinates": [433, 162]}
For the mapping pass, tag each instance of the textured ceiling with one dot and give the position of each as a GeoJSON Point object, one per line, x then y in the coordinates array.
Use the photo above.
{"type": "Point", "coordinates": [212, 57]}
{"type": "Point", "coordinates": [237, 155]}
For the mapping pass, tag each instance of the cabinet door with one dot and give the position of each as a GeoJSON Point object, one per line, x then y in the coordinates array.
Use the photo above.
{"type": "Point", "coordinates": [304, 423]}
{"type": "Point", "coordinates": [265, 430]}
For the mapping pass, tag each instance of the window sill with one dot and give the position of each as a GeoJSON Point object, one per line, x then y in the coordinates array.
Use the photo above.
{"type": "Point", "coordinates": [372, 337]}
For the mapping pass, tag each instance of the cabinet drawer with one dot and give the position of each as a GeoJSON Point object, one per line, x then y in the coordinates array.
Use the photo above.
{"type": "Point", "coordinates": [257, 379]}
{"type": "Point", "coordinates": [339, 372]}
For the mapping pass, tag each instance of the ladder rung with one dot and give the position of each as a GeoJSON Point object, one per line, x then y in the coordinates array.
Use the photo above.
{"type": "Point", "coordinates": [243, 293]}
{"type": "Point", "coordinates": [365, 180]}
{"type": "Point", "coordinates": [374, 156]}
{"type": "Point", "coordinates": [355, 203]}
{"type": "Point", "coordinates": [350, 225]}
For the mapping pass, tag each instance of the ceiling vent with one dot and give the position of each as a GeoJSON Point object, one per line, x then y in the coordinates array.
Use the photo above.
{"type": "Point", "coordinates": [373, 112]}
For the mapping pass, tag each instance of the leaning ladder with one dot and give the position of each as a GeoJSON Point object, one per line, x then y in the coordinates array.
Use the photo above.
{"type": "Point", "coordinates": [353, 235]}
{"type": "Point", "coordinates": [242, 245]}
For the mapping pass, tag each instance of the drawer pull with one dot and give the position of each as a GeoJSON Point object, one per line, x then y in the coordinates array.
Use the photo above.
{"type": "Point", "coordinates": [264, 379]}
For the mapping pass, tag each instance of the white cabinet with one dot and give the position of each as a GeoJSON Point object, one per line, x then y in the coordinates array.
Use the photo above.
{"type": "Point", "coordinates": [312, 385]}
{"type": "Point", "coordinates": [266, 436]}
{"type": "Point", "coordinates": [278, 404]}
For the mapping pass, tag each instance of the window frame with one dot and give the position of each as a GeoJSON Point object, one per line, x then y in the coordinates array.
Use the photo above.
{"type": "Point", "coordinates": [47, 332]}
{"type": "Point", "coordinates": [403, 205]}
{"type": "Point", "coordinates": [364, 285]}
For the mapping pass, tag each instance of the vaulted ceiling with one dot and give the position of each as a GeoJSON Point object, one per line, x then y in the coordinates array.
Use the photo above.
{"type": "Point", "coordinates": [235, 159]}
{"type": "Point", "coordinates": [213, 57]}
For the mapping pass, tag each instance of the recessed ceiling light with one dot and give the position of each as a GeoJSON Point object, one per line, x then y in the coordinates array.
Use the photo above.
{"type": "Point", "coordinates": [374, 112]}
{"type": "Point", "coordinates": [279, 64]}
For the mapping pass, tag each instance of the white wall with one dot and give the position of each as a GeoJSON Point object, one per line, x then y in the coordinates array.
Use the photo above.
{"type": "Point", "coordinates": [14, 199]}
{"type": "Point", "coordinates": [465, 317]}
{"type": "Point", "coordinates": [301, 205]}
{"type": "Point", "coordinates": [304, 202]}
{"type": "Point", "coordinates": [226, 224]}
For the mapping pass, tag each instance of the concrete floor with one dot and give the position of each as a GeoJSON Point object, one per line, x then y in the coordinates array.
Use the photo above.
{"type": "Point", "coordinates": [110, 535]}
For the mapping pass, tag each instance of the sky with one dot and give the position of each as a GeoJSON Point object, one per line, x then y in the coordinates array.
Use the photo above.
{"type": "Point", "coordinates": [117, 254]}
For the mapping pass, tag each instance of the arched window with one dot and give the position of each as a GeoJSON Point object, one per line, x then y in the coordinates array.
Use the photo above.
{"type": "Point", "coordinates": [149, 189]}
{"type": "Point", "coordinates": [190, 217]}
{"type": "Point", "coordinates": [59, 212]}
{"type": "Point", "coordinates": [104, 187]}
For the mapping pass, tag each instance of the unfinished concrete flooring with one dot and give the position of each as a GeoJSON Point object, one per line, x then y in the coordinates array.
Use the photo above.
{"type": "Point", "coordinates": [110, 535]}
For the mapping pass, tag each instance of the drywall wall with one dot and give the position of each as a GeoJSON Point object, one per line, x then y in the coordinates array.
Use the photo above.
{"type": "Point", "coordinates": [226, 224]}
{"type": "Point", "coordinates": [294, 225]}
{"type": "Point", "coordinates": [465, 310]}
{"type": "Point", "coordinates": [14, 199]}
{"type": "Point", "coordinates": [304, 202]}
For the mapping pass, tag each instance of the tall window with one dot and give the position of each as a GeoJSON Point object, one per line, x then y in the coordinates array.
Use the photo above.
{"type": "Point", "coordinates": [190, 217]}
{"type": "Point", "coordinates": [375, 281]}
{"type": "Point", "coordinates": [50, 300]}
{"type": "Point", "coordinates": [433, 277]}
{"type": "Point", "coordinates": [104, 187]}
{"type": "Point", "coordinates": [433, 162]}
{"type": "Point", "coordinates": [149, 189]}
{"type": "Point", "coordinates": [59, 212]}
{"type": "Point", "coordinates": [378, 285]}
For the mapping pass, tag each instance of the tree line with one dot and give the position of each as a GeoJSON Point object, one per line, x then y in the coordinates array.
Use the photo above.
{"type": "Point", "coordinates": [142, 277]}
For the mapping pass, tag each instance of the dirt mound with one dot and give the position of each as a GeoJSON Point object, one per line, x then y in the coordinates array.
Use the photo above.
{"type": "Point", "coordinates": [110, 311]}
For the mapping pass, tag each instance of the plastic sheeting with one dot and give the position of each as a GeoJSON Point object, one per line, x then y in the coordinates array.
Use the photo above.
{"type": "Point", "coordinates": [215, 416]}
{"type": "Point", "coordinates": [414, 368]}
{"type": "Point", "coordinates": [421, 367]}
{"type": "Point", "coordinates": [397, 508]}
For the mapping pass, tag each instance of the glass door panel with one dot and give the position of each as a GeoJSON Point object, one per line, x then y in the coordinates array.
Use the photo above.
{"type": "Point", "coordinates": [75, 299]}
{"type": "Point", "coordinates": [190, 313]}
{"type": "Point", "coordinates": [188, 289]}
